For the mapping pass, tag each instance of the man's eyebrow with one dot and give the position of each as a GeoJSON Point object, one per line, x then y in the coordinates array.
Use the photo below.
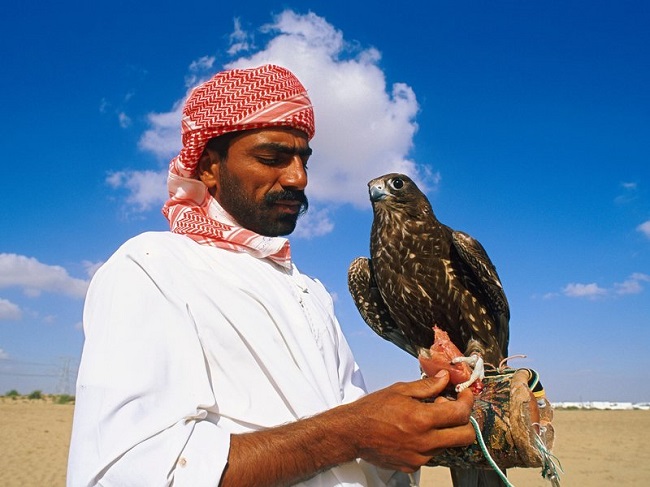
{"type": "Point", "coordinates": [284, 148]}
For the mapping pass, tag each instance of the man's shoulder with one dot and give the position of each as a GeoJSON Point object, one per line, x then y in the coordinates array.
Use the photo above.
{"type": "Point", "coordinates": [155, 242]}
{"type": "Point", "coordinates": [157, 253]}
{"type": "Point", "coordinates": [152, 246]}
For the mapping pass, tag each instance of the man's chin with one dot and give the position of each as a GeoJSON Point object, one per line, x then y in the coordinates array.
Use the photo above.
{"type": "Point", "coordinates": [286, 226]}
{"type": "Point", "coordinates": [277, 227]}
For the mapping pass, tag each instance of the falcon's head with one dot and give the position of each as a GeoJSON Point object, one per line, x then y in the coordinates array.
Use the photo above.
{"type": "Point", "coordinates": [397, 191]}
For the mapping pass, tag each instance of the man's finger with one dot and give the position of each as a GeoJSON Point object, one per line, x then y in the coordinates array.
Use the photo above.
{"type": "Point", "coordinates": [451, 413]}
{"type": "Point", "coordinates": [466, 397]}
{"type": "Point", "coordinates": [429, 386]}
{"type": "Point", "coordinates": [454, 437]}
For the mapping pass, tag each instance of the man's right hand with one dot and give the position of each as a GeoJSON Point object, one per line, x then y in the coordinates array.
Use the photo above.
{"type": "Point", "coordinates": [395, 429]}
{"type": "Point", "coordinates": [392, 428]}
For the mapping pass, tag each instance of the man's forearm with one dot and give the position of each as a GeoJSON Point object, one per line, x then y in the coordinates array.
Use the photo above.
{"type": "Point", "coordinates": [290, 453]}
{"type": "Point", "coordinates": [391, 428]}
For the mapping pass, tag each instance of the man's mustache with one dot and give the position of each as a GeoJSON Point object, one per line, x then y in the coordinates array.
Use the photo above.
{"type": "Point", "coordinates": [288, 195]}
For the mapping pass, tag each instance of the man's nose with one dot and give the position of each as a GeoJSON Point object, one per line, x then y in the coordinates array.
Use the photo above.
{"type": "Point", "coordinates": [294, 174]}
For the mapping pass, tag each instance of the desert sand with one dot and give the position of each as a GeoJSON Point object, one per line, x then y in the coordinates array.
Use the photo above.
{"type": "Point", "coordinates": [595, 448]}
{"type": "Point", "coordinates": [34, 441]}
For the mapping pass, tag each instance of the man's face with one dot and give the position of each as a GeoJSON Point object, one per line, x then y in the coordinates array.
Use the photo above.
{"type": "Point", "coordinates": [261, 182]}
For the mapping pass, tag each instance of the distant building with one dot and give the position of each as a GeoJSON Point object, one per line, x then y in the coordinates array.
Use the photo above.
{"type": "Point", "coordinates": [603, 405]}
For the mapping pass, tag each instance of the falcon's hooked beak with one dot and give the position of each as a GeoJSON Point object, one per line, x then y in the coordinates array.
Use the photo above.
{"type": "Point", "coordinates": [377, 192]}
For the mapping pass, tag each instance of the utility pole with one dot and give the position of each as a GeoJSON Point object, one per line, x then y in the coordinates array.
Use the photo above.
{"type": "Point", "coordinates": [65, 380]}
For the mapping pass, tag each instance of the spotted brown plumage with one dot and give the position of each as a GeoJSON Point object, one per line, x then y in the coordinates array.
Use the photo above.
{"type": "Point", "coordinates": [422, 273]}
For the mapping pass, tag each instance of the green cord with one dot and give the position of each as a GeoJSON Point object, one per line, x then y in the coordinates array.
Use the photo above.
{"type": "Point", "coordinates": [550, 464]}
{"type": "Point", "coordinates": [488, 457]}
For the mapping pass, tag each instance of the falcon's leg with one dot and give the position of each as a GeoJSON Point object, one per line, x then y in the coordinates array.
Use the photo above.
{"type": "Point", "coordinates": [478, 370]}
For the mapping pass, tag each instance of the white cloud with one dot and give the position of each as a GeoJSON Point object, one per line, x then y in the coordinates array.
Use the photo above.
{"type": "Point", "coordinates": [364, 126]}
{"type": "Point", "coordinates": [35, 277]}
{"type": "Point", "coordinates": [3, 355]}
{"type": "Point", "coordinates": [629, 193]}
{"type": "Point", "coordinates": [639, 276]}
{"type": "Point", "coordinates": [106, 107]}
{"type": "Point", "coordinates": [146, 189]}
{"type": "Point", "coordinates": [124, 119]}
{"type": "Point", "coordinates": [203, 63]}
{"type": "Point", "coordinates": [91, 267]}
{"type": "Point", "coordinates": [575, 290]}
{"type": "Point", "coordinates": [199, 71]}
{"type": "Point", "coordinates": [240, 40]}
{"type": "Point", "coordinates": [314, 223]}
{"type": "Point", "coordinates": [632, 285]}
{"type": "Point", "coordinates": [644, 228]}
{"type": "Point", "coordinates": [9, 311]}
{"type": "Point", "coordinates": [163, 139]}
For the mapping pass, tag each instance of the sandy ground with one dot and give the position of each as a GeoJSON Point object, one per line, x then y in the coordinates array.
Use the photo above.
{"type": "Point", "coordinates": [595, 448]}
{"type": "Point", "coordinates": [34, 441]}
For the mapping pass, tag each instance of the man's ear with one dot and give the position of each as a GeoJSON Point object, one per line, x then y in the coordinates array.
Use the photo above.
{"type": "Point", "coordinates": [208, 168]}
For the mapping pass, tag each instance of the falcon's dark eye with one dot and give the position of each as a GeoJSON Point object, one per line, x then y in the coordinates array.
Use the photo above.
{"type": "Point", "coordinates": [397, 183]}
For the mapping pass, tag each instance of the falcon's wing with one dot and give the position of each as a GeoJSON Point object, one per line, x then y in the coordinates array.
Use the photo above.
{"type": "Point", "coordinates": [371, 306]}
{"type": "Point", "coordinates": [482, 279]}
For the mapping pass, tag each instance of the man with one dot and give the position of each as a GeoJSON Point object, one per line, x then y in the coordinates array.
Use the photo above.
{"type": "Point", "coordinates": [209, 358]}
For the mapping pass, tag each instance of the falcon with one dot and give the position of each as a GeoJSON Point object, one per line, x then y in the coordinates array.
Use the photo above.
{"type": "Point", "coordinates": [421, 274]}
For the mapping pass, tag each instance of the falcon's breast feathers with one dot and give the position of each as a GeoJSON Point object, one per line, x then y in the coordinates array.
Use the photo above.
{"type": "Point", "coordinates": [422, 273]}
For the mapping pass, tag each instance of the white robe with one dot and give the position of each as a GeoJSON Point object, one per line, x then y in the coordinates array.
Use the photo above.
{"type": "Point", "coordinates": [186, 344]}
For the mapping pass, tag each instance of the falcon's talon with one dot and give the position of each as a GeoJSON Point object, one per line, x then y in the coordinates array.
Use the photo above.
{"type": "Point", "coordinates": [472, 360]}
{"type": "Point", "coordinates": [478, 370]}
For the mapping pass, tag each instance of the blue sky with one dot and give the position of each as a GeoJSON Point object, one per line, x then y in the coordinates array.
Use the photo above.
{"type": "Point", "coordinates": [528, 124]}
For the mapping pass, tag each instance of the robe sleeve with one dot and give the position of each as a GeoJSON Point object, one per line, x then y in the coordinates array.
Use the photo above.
{"type": "Point", "coordinates": [145, 414]}
{"type": "Point", "coordinates": [353, 387]}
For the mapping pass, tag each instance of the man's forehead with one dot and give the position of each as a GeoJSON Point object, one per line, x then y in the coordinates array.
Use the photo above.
{"type": "Point", "coordinates": [284, 148]}
{"type": "Point", "coordinates": [283, 139]}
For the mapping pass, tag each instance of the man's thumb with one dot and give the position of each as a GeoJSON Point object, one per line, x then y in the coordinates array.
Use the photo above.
{"type": "Point", "coordinates": [432, 386]}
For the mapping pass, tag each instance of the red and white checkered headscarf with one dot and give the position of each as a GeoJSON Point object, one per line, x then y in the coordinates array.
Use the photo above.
{"type": "Point", "coordinates": [231, 101]}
